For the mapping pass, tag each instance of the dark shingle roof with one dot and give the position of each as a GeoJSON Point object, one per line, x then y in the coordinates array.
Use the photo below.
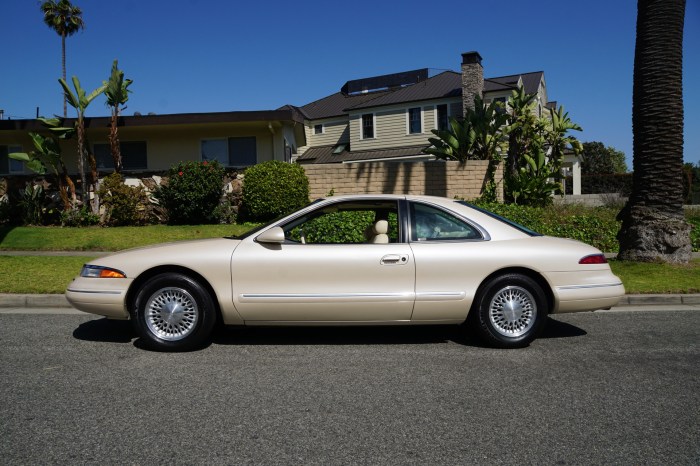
{"type": "Point", "coordinates": [445, 84]}
{"type": "Point", "coordinates": [335, 104]}
{"type": "Point", "coordinates": [324, 154]}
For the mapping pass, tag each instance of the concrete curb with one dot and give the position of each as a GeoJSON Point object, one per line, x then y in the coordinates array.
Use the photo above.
{"type": "Point", "coordinates": [59, 300]}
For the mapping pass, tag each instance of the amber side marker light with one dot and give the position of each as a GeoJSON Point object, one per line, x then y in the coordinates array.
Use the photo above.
{"type": "Point", "coordinates": [95, 271]}
{"type": "Point", "coordinates": [594, 259]}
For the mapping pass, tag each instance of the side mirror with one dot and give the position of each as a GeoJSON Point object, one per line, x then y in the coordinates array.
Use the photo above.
{"type": "Point", "coordinates": [273, 235]}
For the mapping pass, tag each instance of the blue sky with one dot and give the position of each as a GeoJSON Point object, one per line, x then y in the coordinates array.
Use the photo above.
{"type": "Point", "coordinates": [221, 55]}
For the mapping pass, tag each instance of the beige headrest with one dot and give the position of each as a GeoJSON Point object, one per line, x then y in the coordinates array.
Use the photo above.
{"type": "Point", "coordinates": [381, 227]}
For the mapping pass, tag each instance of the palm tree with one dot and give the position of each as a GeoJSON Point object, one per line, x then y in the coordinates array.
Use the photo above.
{"type": "Point", "coordinates": [653, 224]}
{"type": "Point", "coordinates": [80, 100]}
{"type": "Point", "coordinates": [66, 20]}
{"type": "Point", "coordinates": [117, 93]}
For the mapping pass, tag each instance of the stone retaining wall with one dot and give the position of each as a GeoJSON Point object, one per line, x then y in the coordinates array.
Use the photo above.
{"type": "Point", "coordinates": [448, 179]}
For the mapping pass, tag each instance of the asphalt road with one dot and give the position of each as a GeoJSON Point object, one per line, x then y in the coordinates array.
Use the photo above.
{"type": "Point", "coordinates": [613, 388]}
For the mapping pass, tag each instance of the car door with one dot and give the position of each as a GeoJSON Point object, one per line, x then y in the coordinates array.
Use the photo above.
{"type": "Point", "coordinates": [448, 251]}
{"type": "Point", "coordinates": [329, 268]}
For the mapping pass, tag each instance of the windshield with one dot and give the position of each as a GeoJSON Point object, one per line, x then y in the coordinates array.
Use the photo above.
{"type": "Point", "coordinates": [507, 221]}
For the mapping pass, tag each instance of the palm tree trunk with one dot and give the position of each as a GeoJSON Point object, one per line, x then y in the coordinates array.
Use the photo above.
{"type": "Point", "coordinates": [63, 69]}
{"type": "Point", "coordinates": [653, 223]}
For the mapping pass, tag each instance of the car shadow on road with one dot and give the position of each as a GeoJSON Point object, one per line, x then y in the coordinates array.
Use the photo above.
{"type": "Point", "coordinates": [356, 335]}
{"type": "Point", "coordinates": [558, 329]}
{"type": "Point", "coordinates": [116, 331]}
{"type": "Point", "coordinates": [105, 330]}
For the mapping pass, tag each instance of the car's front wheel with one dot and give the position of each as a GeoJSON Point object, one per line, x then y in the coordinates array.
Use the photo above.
{"type": "Point", "coordinates": [510, 311]}
{"type": "Point", "coordinates": [174, 312]}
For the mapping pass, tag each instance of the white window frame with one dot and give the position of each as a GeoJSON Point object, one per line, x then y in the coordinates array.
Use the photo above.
{"type": "Point", "coordinates": [323, 129]}
{"type": "Point", "coordinates": [362, 126]}
{"type": "Point", "coordinates": [408, 120]}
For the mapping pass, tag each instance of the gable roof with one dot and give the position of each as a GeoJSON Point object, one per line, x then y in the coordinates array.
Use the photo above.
{"type": "Point", "coordinates": [444, 85]}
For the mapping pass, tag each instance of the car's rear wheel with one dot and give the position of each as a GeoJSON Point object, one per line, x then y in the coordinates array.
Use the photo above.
{"type": "Point", "coordinates": [510, 311]}
{"type": "Point", "coordinates": [173, 312]}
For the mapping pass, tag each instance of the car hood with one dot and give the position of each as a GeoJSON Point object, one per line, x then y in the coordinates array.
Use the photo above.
{"type": "Point", "coordinates": [191, 254]}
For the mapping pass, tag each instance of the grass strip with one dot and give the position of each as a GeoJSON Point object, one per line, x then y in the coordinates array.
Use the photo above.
{"type": "Point", "coordinates": [37, 274]}
{"type": "Point", "coordinates": [51, 274]}
{"type": "Point", "coordinates": [644, 278]}
{"type": "Point", "coordinates": [107, 239]}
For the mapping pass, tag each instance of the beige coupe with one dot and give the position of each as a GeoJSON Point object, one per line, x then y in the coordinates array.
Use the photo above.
{"type": "Point", "coordinates": [353, 260]}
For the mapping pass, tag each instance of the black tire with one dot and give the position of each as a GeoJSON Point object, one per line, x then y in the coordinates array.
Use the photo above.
{"type": "Point", "coordinates": [173, 312]}
{"type": "Point", "coordinates": [510, 311]}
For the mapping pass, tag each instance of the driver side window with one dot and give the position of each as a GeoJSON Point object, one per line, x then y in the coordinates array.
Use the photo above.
{"type": "Point", "coordinates": [346, 223]}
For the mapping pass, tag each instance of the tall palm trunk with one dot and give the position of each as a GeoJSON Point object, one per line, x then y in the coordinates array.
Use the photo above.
{"type": "Point", "coordinates": [653, 224]}
{"type": "Point", "coordinates": [63, 71]}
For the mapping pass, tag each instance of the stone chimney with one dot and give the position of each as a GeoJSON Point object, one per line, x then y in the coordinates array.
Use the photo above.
{"type": "Point", "coordinates": [472, 79]}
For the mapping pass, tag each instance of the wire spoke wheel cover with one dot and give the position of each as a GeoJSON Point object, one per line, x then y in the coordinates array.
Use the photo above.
{"type": "Point", "coordinates": [171, 313]}
{"type": "Point", "coordinates": [512, 311]}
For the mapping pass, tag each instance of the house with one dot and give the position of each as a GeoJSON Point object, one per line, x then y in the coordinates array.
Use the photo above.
{"type": "Point", "coordinates": [155, 142]}
{"type": "Point", "coordinates": [381, 118]}
{"type": "Point", "coordinates": [390, 117]}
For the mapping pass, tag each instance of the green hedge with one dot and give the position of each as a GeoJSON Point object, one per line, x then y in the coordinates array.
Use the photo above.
{"type": "Point", "coordinates": [596, 226]}
{"type": "Point", "coordinates": [274, 188]}
{"type": "Point", "coordinates": [193, 193]}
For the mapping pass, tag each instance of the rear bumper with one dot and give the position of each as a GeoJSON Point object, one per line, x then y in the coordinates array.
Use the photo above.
{"type": "Point", "coordinates": [577, 298]}
{"type": "Point", "coordinates": [101, 296]}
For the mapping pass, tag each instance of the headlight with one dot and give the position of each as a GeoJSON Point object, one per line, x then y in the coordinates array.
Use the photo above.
{"type": "Point", "coordinates": [96, 271]}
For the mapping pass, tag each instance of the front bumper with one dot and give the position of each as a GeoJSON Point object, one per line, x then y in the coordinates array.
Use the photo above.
{"type": "Point", "coordinates": [102, 296]}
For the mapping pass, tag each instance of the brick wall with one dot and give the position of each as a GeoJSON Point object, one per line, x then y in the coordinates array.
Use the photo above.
{"type": "Point", "coordinates": [448, 179]}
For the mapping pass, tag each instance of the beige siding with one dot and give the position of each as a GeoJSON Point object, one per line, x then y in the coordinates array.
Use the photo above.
{"type": "Point", "coordinates": [166, 146]}
{"type": "Point", "coordinates": [391, 126]}
{"type": "Point", "coordinates": [334, 132]}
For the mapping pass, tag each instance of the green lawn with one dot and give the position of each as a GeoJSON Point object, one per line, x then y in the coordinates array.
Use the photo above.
{"type": "Point", "coordinates": [106, 239]}
{"type": "Point", "coordinates": [51, 274]}
{"type": "Point", "coordinates": [658, 278]}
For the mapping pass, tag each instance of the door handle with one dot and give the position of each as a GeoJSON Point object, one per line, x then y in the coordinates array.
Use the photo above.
{"type": "Point", "coordinates": [394, 259]}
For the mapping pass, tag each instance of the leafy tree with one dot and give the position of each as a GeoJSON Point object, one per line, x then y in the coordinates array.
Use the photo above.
{"type": "Point", "coordinates": [46, 157]}
{"type": "Point", "coordinates": [80, 101]}
{"type": "Point", "coordinates": [557, 139]}
{"type": "Point", "coordinates": [117, 93]}
{"type": "Point", "coordinates": [600, 159]}
{"type": "Point", "coordinates": [523, 131]}
{"type": "Point", "coordinates": [536, 149]}
{"type": "Point", "coordinates": [480, 135]}
{"type": "Point", "coordinates": [653, 224]}
{"type": "Point", "coordinates": [66, 20]}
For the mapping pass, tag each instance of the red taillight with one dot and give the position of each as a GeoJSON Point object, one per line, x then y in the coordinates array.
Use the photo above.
{"type": "Point", "coordinates": [594, 259]}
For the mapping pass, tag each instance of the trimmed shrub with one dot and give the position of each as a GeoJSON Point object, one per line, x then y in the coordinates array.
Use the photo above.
{"type": "Point", "coordinates": [596, 226]}
{"type": "Point", "coordinates": [192, 193]}
{"type": "Point", "coordinates": [82, 217]}
{"type": "Point", "coordinates": [274, 188]}
{"type": "Point", "coordinates": [124, 205]}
